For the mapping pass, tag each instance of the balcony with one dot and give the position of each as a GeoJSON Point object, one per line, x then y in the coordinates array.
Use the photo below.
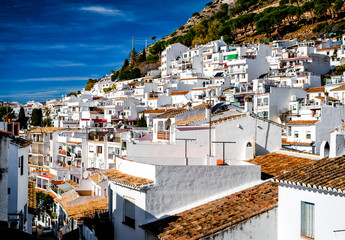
{"type": "Point", "coordinates": [163, 135]}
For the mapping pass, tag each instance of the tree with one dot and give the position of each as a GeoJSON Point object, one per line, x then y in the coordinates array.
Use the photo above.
{"type": "Point", "coordinates": [142, 57]}
{"type": "Point", "coordinates": [90, 84]}
{"type": "Point", "coordinates": [46, 111]}
{"type": "Point", "coordinates": [337, 6]}
{"type": "Point", "coordinates": [36, 117]}
{"type": "Point", "coordinates": [45, 204]}
{"type": "Point", "coordinates": [142, 121]}
{"type": "Point", "coordinates": [6, 112]}
{"type": "Point", "coordinates": [154, 38]}
{"type": "Point", "coordinates": [22, 119]}
{"type": "Point", "coordinates": [47, 122]}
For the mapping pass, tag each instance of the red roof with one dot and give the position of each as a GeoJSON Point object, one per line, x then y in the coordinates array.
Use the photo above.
{"type": "Point", "coordinates": [99, 120]}
{"type": "Point", "coordinates": [49, 175]}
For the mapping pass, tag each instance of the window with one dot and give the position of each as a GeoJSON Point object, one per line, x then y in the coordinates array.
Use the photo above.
{"type": "Point", "coordinates": [129, 213]}
{"type": "Point", "coordinates": [99, 149]}
{"type": "Point", "coordinates": [91, 149]}
{"type": "Point", "coordinates": [21, 165]}
{"type": "Point", "coordinates": [308, 135]}
{"type": "Point", "coordinates": [307, 219]}
{"type": "Point", "coordinates": [296, 134]}
{"type": "Point", "coordinates": [110, 152]}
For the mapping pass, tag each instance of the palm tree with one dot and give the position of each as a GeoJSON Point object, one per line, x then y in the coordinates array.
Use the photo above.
{"type": "Point", "coordinates": [46, 112]}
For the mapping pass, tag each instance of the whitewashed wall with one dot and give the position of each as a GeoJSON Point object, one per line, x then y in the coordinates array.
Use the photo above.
{"type": "Point", "coordinates": [329, 212]}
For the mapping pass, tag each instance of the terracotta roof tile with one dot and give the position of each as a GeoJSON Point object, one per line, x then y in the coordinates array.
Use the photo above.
{"type": "Point", "coordinates": [301, 122]}
{"type": "Point", "coordinates": [46, 130]}
{"type": "Point", "coordinates": [325, 173]}
{"type": "Point", "coordinates": [73, 183]}
{"type": "Point", "coordinates": [215, 216]}
{"type": "Point", "coordinates": [341, 87]}
{"type": "Point", "coordinates": [329, 98]}
{"type": "Point", "coordinates": [170, 113]}
{"type": "Point", "coordinates": [316, 89]}
{"type": "Point", "coordinates": [275, 164]}
{"type": "Point", "coordinates": [155, 111]}
{"type": "Point", "coordinates": [125, 178]}
{"type": "Point", "coordinates": [21, 141]}
{"type": "Point", "coordinates": [191, 119]}
{"type": "Point", "coordinates": [179, 93]}
{"type": "Point", "coordinates": [49, 175]}
{"type": "Point", "coordinates": [284, 141]}
{"type": "Point", "coordinates": [328, 48]}
{"type": "Point", "coordinates": [86, 209]}
{"type": "Point", "coordinates": [95, 178]}
{"type": "Point", "coordinates": [232, 117]}
{"type": "Point", "coordinates": [201, 105]}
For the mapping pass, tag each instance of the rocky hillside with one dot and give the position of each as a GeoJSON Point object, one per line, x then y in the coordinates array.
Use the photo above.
{"type": "Point", "coordinates": [249, 21]}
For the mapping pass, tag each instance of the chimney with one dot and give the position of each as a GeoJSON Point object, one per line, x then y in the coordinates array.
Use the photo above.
{"type": "Point", "coordinates": [248, 104]}
{"type": "Point", "coordinates": [336, 144]}
{"type": "Point", "coordinates": [326, 98]}
{"type": "Point", "coordinates": [207, 110]}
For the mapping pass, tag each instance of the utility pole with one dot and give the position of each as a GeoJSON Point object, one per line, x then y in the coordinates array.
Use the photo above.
{"type": "Point", "coordinates": [223, 142]}
{"type": "Point", "coordinates": [185, 147]}
{"type": "Point", "coordinates": [209, 125]}
{"type": "Point", "coordinates": [132, 42]}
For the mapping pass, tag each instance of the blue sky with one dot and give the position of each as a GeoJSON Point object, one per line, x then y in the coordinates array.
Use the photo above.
{"type": "Point", "coordinates": [51, 47]}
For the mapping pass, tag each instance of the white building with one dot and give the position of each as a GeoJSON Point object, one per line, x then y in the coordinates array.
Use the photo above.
{"type": "Point", "coordinates": [311, 200]}
{"type": "Point", "coordinates": [141, 193]}
{"type": "Point", "coordinates": [170, 53]}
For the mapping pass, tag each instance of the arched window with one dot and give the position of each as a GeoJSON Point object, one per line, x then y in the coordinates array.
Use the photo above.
{"type": "Point", "coordinates": [249, 144]}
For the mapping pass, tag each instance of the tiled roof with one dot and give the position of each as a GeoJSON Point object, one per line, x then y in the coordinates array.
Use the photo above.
{"type": "Point", "coordinates": [301, 122]}
{"type": "Point", "coordinates": [71, 142]}
{"type": "Point", "coordinates": [201, 105]}
{"type": "Point", "coordinates": [66, 198]}
{"type": "Point", "coordinates": [329, 98]}
{"type": "Point", "coordinates": [341, 87]}
{"type": "Point", "coordinates": [153, 98]}
{"type": "Point", "coordinates": [49, 175]}
{"type": "Point", "coordinates": [73, 183]}
{"type": "Point", "coordinates": [21, 141]}
{"type": "Point", "coordinates": [215, 216]}
{"type": "Point", "coordinates": [275, 164]}
{"type": "Point", "coordinates": [46, 130]}
{"type": "Point", "coordinates": [232, 117]}
{"type": "Point", "coordinates": [86, 209]}
{"type": "Point", "coordinates": [284, 141]}
{"type": "Point", "coordinates": [125, 178]}
{"type": "Point", "coordinates": [316, 89]}
{"type": "Point", "coordinates": [179, 93]}
{"type": "Point", "coordinates": [154, 111]}
{"type": "Point", "coordinates": [32, 204]}
{"type": "Point", "coordinates": [328, 48]}
{"type": "Point", "coordinates": [327, 174]}
{"type": "Point", "coordinates": [191, 119]}
{"type": "Point", "coordinates": [95, 178]}
{"type": "Point", "coordinates": [170, 113]}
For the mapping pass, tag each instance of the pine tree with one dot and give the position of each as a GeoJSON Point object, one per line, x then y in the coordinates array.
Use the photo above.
{"type": "Point", "coordinates": [22, 119]}
{"type": "Point", "coordinates": [36, 117]}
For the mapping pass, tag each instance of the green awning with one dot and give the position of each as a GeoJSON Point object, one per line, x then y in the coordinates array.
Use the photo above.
{"type": "Point", "coordinates": [232, 56]}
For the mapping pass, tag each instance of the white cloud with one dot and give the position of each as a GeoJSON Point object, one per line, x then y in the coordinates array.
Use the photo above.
{"type": "Point", "coordinates": [55, 79]}
{"type": "Point", "coordinates": [103, 10]}
{"type": "Point", "coordinates": [69, 64]}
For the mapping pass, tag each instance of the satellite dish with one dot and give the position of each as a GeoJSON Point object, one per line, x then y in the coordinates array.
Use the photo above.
{"type": "Point", "coordinates": [85, 174]}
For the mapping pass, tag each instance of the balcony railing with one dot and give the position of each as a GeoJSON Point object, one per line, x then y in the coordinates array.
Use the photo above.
{"type": "Point", "coordinates": [163, 135]}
